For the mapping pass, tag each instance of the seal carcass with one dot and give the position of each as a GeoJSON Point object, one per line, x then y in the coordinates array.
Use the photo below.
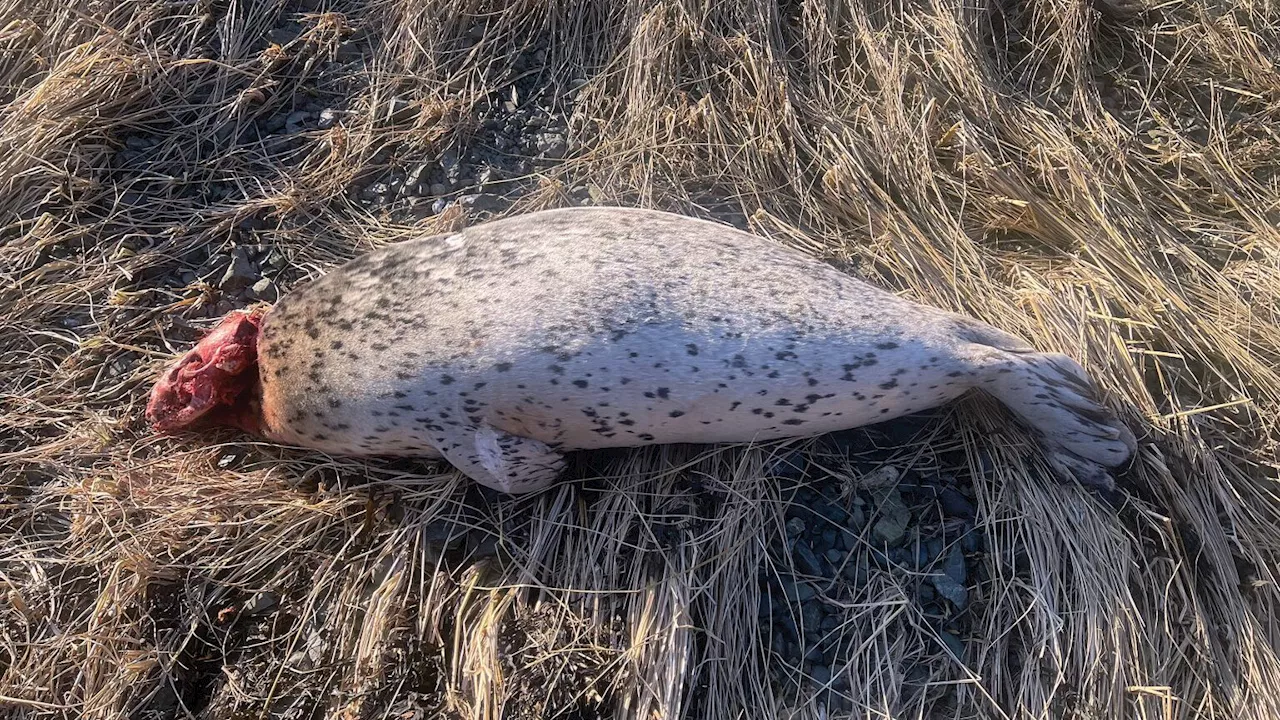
{"type": "Point", "coordinates": [506, 344]}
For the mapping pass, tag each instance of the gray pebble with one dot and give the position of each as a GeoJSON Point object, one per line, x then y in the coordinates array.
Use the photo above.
{"type": "Point", "coordinates": [857, 518]}
{"type": "Point", "coordinates": [552, 146]}
{"type": "Point", "coordinates": [934, 548]}
{"type": "Point", "coordinates": [894, 517]}
{"type": "Point", "coordinates": [833, 512]}
{"type": "Point", "coordinates": [795, 527]}
{"type": "Point", "coordinates": [482, 202]}
{"type": "Point", "coordinates": [239, 273]}
{"type": "Point", "coordinates": [956, 504]}
{"type": "Point", "coordinates": [328, 118]}
{"type": "Point", "coordinates": [799, 592]}
{"type": "Point", "coordinates": [294, 122]}
{"type": "Point", "coordinates": [953, 591]}
{"type": "Point", "coordinates": [260, 603]}
{"type": "Point", "coordinates": [890, 529]}
{"type": "Point", "coordinates": [438, 189]}
{"type": "Point", "coordinates": [857, 572]}
{"type": "Point", "coordinates": [836, 556]}
{"type": "Point", "coordinates": [926, 594]}
{"type": "Point", "coordinates": [954, 644]}
{"type": "Point", "coordinates": [806, 561]}
{"type": "Point", "coordinates": [399, 109]}
{"type": "Point", "coordinates": [821, 674]}
{"type": "Point", "coordinates": [264, 289]}
{"type": "Point", "coordinates": [955, 566]}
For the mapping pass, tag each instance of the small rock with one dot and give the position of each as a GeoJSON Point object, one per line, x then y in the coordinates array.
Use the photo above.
{"type": "Point", "coordinates": [260, 603]}
{"type": "Point", "coordinates": [829, 538]}
{"type": "Point", "coordinates": [295, 121]}
{"type": "Point", "coordinates": [953, 591]}
{"type": "Point", "coordinates": [276, 260]}
{"type": "Point", "coordinates": [812, 616]}
{"type": "Point", "coordinates": [482, 202]}
{"type": "Point", "coordinates": [420, 207]}
{"type": "Point", "coordinates": [552, 146]}
{"type": "Point", "coordinates": [926, 594]}
{"type": "Point", "coordinates": [971, 541]}
{"type": "Point", "coordinates": [137, 142]}
{"type": "Point", "coordinates": [883, 476]}
{"type": "Point", "coordinates": [328, 118]}
{"type": "Point", "coordinates": [835, 556]}
{"type": "Point", "coordinates": [399, 109]}
{"type": "Point", "coordinates": [857, 518]}
{"type": "Point", "coordinates": [934, 548]}
{"type": "Point", "coordinates": [954, 644]}
{"type": "Point", "coordinates": [858, 572]}
{"type": "Point", "coordinates": [799, 592]}
{"type": "Point", "coordinates": [806, 561]}
{"type": "Point", "coordinates": [438, 189]}
{"type": "Point", "coordinates": [894, 517]}
{"type": "Point", "coordinates": [956, 504]}
{"type": "Point", "coordinates": [239, 273]}
{"type": "Point", "coordinates": [264, 289]}
{"type": "Point", "coordinates": [274, 124]}
{"type": "Point", "coordinates": [795, 527]}
{"type": "Point", "coordinates": [955, 566]}
{"type": "Point", "coordinates": [815, 656]}
{"type": "Point", "coordinates": [821, 674]}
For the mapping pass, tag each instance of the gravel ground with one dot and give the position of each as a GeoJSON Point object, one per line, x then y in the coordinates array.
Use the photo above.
{"type": "Point", "coordinates": [859, 517]}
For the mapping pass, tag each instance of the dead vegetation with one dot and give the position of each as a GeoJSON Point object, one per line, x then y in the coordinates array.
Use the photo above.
{"type": "Point", "coordinates": [1105, 187]}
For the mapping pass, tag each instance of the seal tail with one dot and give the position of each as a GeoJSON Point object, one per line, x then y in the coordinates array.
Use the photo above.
{"type": "Point", "coordinates": [1053, 394]}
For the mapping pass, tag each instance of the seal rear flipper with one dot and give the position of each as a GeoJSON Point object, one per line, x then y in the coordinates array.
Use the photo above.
{"type": "Point", "coordinates": [1053, 394]}
{"type": "Point", "coordinates": [502, 461]}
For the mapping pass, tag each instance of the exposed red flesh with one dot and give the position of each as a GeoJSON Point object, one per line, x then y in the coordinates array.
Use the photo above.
{"type": "Point", "coordinates": [215, 383]}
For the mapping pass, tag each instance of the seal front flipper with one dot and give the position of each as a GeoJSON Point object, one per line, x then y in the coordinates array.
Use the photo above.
{"type": "Point", "coordinates": [500, 460]}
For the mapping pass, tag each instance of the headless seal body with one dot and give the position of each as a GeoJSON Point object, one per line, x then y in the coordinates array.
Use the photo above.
{"type": "Point", "coordinates": [506, 344]}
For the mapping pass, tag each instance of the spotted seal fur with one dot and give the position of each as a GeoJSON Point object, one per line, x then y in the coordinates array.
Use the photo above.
{"type": "Point", "coordinates": [503, 346]}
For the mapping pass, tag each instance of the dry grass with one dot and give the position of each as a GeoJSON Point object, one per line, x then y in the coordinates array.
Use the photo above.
{"type": "Point", "coordinates": [1109, 190]}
